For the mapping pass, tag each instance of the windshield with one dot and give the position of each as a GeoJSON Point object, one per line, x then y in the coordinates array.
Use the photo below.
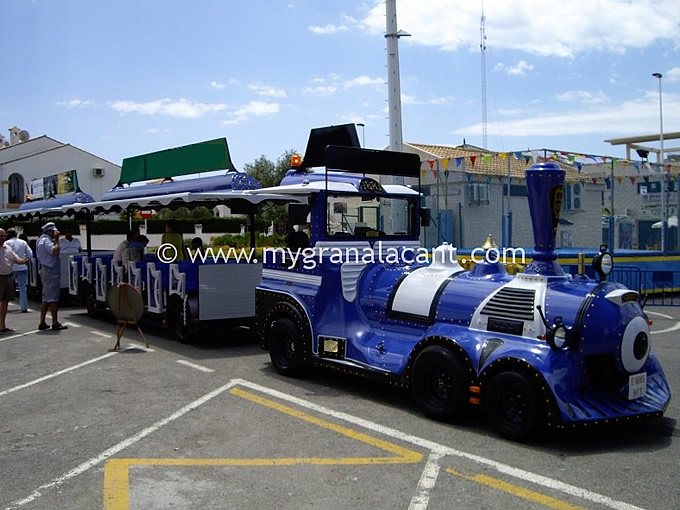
{"type": "Point", "coordinates": [369, 216]}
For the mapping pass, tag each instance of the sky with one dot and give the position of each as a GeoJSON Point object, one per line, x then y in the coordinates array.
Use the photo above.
{"type": "Point", "coordinates": [123, 78]}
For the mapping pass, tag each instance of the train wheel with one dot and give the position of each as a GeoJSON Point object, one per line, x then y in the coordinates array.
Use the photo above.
{"type": "Point", "coordinates": [180, 322]}
{"type": "Point", "coordinates": [438, 384]}
{"type": "Point", "coordinates": [513, 406]}
{"type": "Point", "coordinates": [285, 348]}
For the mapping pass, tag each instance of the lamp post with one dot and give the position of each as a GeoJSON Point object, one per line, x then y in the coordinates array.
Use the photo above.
{"type": "Point", "coordinates": [664, 222]}
{"type": "Point", "coordinates": [363, 133]}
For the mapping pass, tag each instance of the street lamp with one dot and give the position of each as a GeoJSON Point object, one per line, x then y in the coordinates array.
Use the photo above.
{"type": "Point", "coordinates": [363, 133]}
{"type": "Point", "coordinates": [664, 222]}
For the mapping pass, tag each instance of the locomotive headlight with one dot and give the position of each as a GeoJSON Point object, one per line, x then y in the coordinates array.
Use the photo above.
{"type": "Point", "coordinates": [603, 262]}
{"type": "Point", "coordinates": [560, 337]}
{"type": "Point", "coordinates": [635, 345]}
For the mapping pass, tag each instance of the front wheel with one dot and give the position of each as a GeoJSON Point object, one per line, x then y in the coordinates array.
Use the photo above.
{"type": "Point", "coordinates": [514, 407]}
{"type": "Point", "coordinates": [285, 348]}
{"type": "Point", "coordinates": [439, 385]}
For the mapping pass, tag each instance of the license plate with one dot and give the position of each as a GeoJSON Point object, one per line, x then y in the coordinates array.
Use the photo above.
{"type": "Point", "coordinates": [637, 385]}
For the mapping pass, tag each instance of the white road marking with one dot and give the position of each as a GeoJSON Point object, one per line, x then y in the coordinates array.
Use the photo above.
{"type": "Point", "coordinates": [659, 314]}
{"type": "Point", "coordinates": [72, 325]}
{"type": "Point", "coordinates": [11, 337]}
{"type": "Point", "coordinates": [442, 450]}
{"type": "Point", "coordinates": [427, 481]}
{"type": "Point", "coordinates": [674, 327]}
{"type": "Point", "coordinates": [99, 333]}
{"type": "Point", "coordinates": [55, 374]}
{"type": "Point", "coordinates": [194, 365]}
{"type": "Point", "coordinates": [110, 452]}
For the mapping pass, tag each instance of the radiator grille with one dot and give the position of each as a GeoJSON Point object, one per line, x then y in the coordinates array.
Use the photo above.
{"type": "Point", "coordinates": [512, 303]}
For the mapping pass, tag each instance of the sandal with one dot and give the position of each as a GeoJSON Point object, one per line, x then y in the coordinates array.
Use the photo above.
{"type": "Point", "coordinates": [6, 330]}
{"type": "Point", "coordinates": [58, 327]}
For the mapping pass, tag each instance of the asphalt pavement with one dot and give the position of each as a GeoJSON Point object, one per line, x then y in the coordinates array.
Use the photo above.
{"type": "Point", "coordinates": [212, 425]}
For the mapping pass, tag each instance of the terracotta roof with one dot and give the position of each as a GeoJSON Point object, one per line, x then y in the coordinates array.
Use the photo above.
{"type": "Point", "coordinates": [487, 162]}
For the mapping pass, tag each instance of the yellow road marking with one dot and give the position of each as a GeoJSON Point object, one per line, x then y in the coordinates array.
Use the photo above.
{"type": "Point", "coordinates": [515, 490]}
{"type": "Point", "coordinates": [116, 471]}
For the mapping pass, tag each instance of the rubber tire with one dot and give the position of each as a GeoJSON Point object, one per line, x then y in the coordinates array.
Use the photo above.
{"type": "Point", "coordinates": [184, 334]}
{"type": "Point", "coordinates": [439, 385]}
{"type": "Point", "coordinates": [514, 406]}
{"type": "Point", "coordinates": [89, 300]}
{"type": "Point", "coordinates": [286, 348]}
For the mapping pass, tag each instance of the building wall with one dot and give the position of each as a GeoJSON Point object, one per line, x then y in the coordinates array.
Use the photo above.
{"type": "Point", "coordinates": [59, 159]}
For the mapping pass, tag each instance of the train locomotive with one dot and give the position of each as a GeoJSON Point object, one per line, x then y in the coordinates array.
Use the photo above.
{"type": "Point", "coordinates": [532, 350]}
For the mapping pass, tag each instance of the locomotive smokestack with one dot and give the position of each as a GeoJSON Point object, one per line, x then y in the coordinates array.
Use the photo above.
{"type": "Point", "coordinates": [545, 188]}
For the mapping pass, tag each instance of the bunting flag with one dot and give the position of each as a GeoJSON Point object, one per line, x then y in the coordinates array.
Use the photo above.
{"type": "Point", "coordinates": [445, 162]}
{"type": "Point", "coordinates": [571, 158]}
{"type": "Point", "coordinates": [479, 177]}
{"type": "Point", "coordinates": [520, 181]}
{"type": "Point", "coordinates": [619, 179]}
{"type": "Point", "coordinates": [500, 179]}
{"type": "Point", "coordinates": [632, 180]}
{"type": "Point", "coordinates": [527, 158]}
{"type": "Point", "coordinates": [431, 163]}
{"type": "Point", "coordinates": [472, 160]}
{"type": "Point", "coordinates": [503, 156]}
{"type": "Point", "coordinates": [423, 173]}
{"type": "Point", "coordinates": [459, 161]}
{"type": "Point", "coordinates": [486, 158]}
{"type": "Point", "coordinates": [518, 155]}
{"type": "Point", "coordinates": [594, 180]}
{"type": "Point", "coordinates": [579, 165]}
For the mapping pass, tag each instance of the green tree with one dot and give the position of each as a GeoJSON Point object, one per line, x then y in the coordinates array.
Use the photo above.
{"type": "Point", "coordinates": [270, 174]}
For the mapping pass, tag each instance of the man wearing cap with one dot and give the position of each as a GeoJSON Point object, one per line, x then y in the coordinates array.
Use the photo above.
{"type": "Point", "coordinates": [7, 260]}
{"type": "Point", "coordinates": [47, 252]}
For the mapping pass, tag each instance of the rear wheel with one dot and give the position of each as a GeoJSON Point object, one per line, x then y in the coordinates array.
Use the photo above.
{"type": "Point", "coordinates": [285, 348]}
{"type": "Point", "coordinates": [181, 322]}
{"type": "Point", "coordinates": [439, 385]}
{"type": "Point", "coordinates": [514, 407]}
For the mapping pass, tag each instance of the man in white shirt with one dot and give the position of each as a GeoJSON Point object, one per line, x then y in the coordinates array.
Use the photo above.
{"type": "Point", "coordinates": [7, 260]}
{"type": "Point", "coordinates": [23, 250]}
{"type": "Point", "coordinates": [69, 244]}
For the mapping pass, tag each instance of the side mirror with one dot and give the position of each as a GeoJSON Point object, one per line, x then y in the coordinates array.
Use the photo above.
{"type": "Point", "coordinates": [425, 216]}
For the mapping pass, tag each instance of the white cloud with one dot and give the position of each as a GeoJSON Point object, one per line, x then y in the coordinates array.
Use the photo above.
{"type": "Point", "coordinates": [363, 80]}
{"type": "Point", "coordinates": [328, 29]}
{"type": "Point", "coordinates": [520, 69]}
{"type": "Point", "coordinates": [408, 99]}
{"type": "Point", "coordinates": [629, 117]}
{"type": "Point", "coordinates": [155, 131]}
{"type": "Point", "coordinates": [217, 85]}
{"type": "Point", "coordinates": [538, 27]}
{"type": "Point", "coordinates": [267, 91]}
{"type": "Point", "coordinates": [583, 96]}
{"type": "Point", "coordinates": [319, 90]}
{"type": "Point", "coordinates": [76, 103]}
{"type": "Point", "coordinates": [257, 108]}
{"type": "Point", "coordinates": [673, 74]}
{"type": "Point", "coordinates": [180, 108]}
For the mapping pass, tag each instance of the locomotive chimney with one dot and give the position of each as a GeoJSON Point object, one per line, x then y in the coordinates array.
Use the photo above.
{"type": "Point", "coordinates": [545, 188]}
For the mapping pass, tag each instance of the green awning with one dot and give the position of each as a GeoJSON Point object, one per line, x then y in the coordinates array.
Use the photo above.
{"type": "Point", "coordinates": [189, 159]}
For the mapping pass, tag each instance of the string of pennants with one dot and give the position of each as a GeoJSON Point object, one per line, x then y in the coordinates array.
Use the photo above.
{"type": "Point", "coordinates": [543, 155]}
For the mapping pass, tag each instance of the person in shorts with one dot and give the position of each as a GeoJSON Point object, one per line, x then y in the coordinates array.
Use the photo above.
{"type": "Point", "coordinates": [49, 267]}
{"type": "Point", "coordinates": [7, 260]}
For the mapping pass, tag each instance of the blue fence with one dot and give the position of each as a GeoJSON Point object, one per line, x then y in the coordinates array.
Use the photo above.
{"type": "Point", "coordinates": [660, 288]}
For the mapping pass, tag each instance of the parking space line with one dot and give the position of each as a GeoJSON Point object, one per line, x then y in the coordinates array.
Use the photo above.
{"type": "Point", "coordinates": [427, 481]}
{"type": "Point", "coordinates": [515, 490]}
{"type": "Point", "coordinates": [194, 365]}
{"type": "Point", "coordinates": [431, 446]}
{"type": "Point", "coordinates": [55, 374]}
{"type": "Point", "coordinates": [19, 335]}
{"type": "Point", "coordinates": [89, 464]}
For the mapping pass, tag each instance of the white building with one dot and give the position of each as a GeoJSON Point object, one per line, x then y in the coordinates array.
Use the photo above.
{"type": "Point", "coordinates": [25, 160]}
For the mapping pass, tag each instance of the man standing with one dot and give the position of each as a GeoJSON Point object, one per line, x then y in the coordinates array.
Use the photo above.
{"type": "Point", "coordinates": [7, 259]}
{"type": "Point", "coordinates": [23, 251]}
{"type": "Point", "coordinates": [47, 251]}
{"type": "Point", "coordinates": [69, 244]}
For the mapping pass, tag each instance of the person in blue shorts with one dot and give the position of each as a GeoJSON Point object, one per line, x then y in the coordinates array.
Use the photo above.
{"type": "Point", "coordinates": [47, 252]}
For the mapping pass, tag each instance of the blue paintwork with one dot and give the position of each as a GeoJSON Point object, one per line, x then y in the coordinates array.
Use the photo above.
{"type": "Point", "coordinates": [228, 181]}
{"type": "Point", "coordinates": [380, 342]}
{"type": "Point", "coordinates": [58, 201]}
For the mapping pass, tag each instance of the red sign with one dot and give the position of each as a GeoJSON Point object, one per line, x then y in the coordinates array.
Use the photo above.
{"type": "Point", "coordinates": [146, 214]}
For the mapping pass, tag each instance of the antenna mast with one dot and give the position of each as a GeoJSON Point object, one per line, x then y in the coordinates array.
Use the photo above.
{"type": "Point", "coordinates": [482, 47]}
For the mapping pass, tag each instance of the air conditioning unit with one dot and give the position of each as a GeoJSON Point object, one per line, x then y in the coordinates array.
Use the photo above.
{"type": "Point", "coordinates": [98, 172]}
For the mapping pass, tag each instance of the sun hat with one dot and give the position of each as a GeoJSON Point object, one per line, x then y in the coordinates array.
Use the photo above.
{"type": "Point", "coordinates": [49, 226]}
